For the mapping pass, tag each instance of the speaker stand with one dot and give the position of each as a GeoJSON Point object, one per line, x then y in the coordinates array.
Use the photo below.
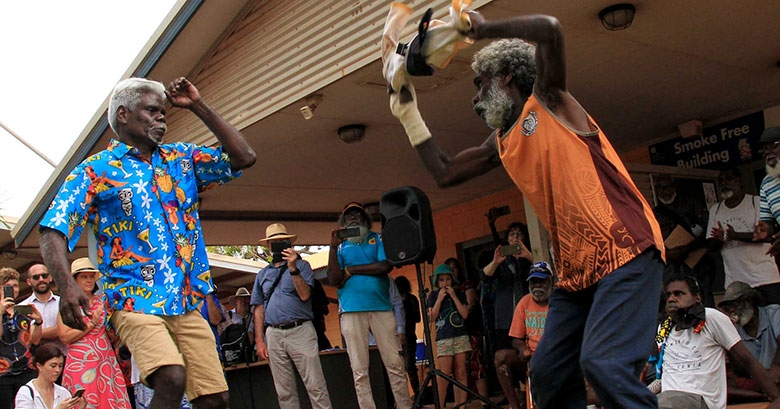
{"type": "Point", "coordinates": [432, 371]}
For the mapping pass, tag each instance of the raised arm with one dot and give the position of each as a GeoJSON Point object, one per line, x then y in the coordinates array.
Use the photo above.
{"type": "Point", "coordinates": [182, 93]}
{"type": "Point", "coordinates": [73, 300]}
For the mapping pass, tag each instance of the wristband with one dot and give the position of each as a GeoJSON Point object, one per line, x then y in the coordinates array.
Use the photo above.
{"type": "Point", "coordinates": [346, 271]}
{"type": "Point", "coordinates": [36, 323]}
{"type": "Point", "coordinates": [295, 272]}
{"type": "Point", "coordinates": [409, 116]}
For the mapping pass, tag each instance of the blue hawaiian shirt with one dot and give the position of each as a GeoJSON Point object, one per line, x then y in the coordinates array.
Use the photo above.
{"type": "Point", "coordinates": [144, 219]}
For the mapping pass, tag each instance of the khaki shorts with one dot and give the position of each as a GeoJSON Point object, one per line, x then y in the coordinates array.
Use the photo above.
{"type": "Point", "coordinates": [183, 340]}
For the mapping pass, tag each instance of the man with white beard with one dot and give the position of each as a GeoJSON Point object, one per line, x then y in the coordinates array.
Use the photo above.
{"type": "Point", "coordinates": [358, 267]}
{"type": "Point", "coordinates": [758, 327]}
{"type": "Point", "coordinates": [730, 230]}
{"type": "Point", "coordinates": [766, 230]}
{"type": "Point", "coordinates": [608, 246]}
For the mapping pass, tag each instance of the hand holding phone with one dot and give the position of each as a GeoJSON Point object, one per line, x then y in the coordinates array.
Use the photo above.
{"type": "Point", "coordinates": [510, 250]}
{"type": "Point", "coordinates": [78, 394]}
{"type": "Point", "coordinates": [23, 309]}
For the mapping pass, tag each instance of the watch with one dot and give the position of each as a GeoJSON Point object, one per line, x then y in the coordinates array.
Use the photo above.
{"type": "Point", "coordinates": [36, 323]}
{"type": "Point", "coordinates": [294, 272]}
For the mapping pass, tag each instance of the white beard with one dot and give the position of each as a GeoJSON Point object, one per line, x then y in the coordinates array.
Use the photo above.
{"type": "Point", "coordinates": [498, 106]}
{"type": "Point", "coordinates": [773, 171]}
{"type": "Point", "coordinates": [726, 194]}
{"type": "Point", "coordinates": [668, 201]}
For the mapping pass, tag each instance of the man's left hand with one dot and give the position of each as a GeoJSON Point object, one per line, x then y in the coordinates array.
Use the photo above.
{"type": "Point", "coordinates": [182, 93]}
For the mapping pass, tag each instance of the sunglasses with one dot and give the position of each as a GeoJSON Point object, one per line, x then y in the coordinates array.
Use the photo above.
{"type": "Point", "coordinates": [40, 276]}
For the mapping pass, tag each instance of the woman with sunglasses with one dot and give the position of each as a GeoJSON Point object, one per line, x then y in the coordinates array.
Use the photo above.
{"type": "Point", "coordinates": [19, 333]}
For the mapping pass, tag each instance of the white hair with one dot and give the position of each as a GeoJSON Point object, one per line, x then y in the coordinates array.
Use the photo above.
{"type": "Point", "coordinates": [128, 93]}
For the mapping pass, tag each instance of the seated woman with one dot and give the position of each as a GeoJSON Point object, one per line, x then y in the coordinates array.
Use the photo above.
{"type": "Point", "coordinates": [42, 392]}
{"type": "Point", "coordinates": [92, 364]}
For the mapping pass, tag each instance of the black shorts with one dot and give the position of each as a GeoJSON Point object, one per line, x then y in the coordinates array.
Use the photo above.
{"type": "Point", "coordinates": [501, 339]}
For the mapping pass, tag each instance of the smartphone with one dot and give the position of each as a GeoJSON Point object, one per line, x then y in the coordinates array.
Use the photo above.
{"type": "Point", "coordinates": [510, 250]}
{"type": "Point", "coordinates": [8, 291]}
{"type": "Point", "coordinates": [23, 309]}
{"type": "Point", "coordinates": [79, 393]}
{"type": "Point", "coordinates": [501, 211]}
{"type": "Point", "coordinates": [353, 231]}
{"type": "Point", "coordinates": [278, 246]}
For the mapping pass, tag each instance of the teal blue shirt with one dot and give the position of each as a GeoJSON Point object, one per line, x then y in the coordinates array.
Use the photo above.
{"type": "Point", "coordinates": [361, 292]}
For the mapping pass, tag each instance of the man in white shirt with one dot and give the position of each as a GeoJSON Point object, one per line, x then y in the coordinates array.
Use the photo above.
{"type": "Point", "coordinates": [39, 280]}
{"type": "Point", "coordinates": [694, 352]}
{"type": "Point", "coordinates": [730, 229]}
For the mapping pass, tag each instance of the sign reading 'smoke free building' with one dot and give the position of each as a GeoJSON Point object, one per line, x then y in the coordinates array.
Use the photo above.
{"type": "Point", "coordinates": [719, 147]}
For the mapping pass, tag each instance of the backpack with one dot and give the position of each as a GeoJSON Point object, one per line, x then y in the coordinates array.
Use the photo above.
{"type": "Point", "coordinates": [235, 344]}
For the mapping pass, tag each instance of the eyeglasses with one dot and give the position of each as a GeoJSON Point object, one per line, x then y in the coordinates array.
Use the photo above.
{"type": "Point", "coordinates": [515, 234]}
{"type": "Point", "coordinates": [40, 276]}
{"type": "Point", "coordinates": [769, 146]}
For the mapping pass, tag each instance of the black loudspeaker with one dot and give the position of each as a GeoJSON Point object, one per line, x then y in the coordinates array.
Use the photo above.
{"type": "Point", "coordinates": [407, 226]}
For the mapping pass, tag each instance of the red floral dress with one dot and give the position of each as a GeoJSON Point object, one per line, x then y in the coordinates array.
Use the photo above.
{"type": "Point", "coordinates": [91, 365]}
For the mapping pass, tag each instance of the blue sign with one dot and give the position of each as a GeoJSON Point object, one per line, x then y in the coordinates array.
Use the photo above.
{"type": "Point", "coordinates": [719, 147]}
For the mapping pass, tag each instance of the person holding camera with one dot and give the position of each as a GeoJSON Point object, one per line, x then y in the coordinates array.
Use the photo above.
{"type": "Point", "coordinates": [284, 332]}
{"type": "Point", "coordinates": [358, 267]}
{"type": "Point", "coordinates": [21, 330]}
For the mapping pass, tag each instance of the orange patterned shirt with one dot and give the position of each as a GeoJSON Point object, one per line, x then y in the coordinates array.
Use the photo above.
{"type": "Point", "coordinates": [581, 192]}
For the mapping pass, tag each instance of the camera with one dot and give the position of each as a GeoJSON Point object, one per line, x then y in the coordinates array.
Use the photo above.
{"type": "Point", "coordinates": [353, 231]}
{"type": "Point", "coordinates": [8, 291]}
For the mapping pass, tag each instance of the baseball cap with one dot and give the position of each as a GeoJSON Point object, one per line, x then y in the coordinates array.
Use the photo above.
{"type": "Point", "coordinates": [540, 270]}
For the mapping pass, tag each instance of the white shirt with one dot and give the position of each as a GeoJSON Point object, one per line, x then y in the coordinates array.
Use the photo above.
{"type": "Point", "coordinates": [696, 363]}
{"type": "Point", "coordinates": [25, 401]}
{"type": "Point", "coordinates": [49, 312]}
{"type": "Point", "coordinates": [743, 261]}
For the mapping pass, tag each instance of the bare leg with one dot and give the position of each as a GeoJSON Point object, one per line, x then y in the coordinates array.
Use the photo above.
{"type": "Point", "coordinates": [461, 376]}
{"type": "Point", "coordinates": [213, 401]}
{"type": "Point", "coordinates": [505, 360]}
{"type": "Point", "coordinates": [168, 383]}
{"type": "Point", "coordinates": [445, 366]}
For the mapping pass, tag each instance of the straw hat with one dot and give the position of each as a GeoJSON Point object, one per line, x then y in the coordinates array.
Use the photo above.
{"type": "Point", "coordinates": [276, 231]}
{"type": "Point", "coordinates": [81, 265]}
{"type": "Point", "coordinates": [241, 292]}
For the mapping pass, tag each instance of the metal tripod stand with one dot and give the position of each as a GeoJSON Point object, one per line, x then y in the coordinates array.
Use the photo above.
{"type": "Point", "coordinates": [432, 371]}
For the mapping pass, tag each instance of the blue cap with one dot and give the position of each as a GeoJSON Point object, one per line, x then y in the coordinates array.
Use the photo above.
{"type": "Point", "coordinates": [540, 270]}
{"type": "Point", "coordinates": [443, 269]}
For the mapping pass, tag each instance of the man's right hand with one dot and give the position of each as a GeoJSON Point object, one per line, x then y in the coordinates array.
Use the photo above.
{"type": "Point", "coordinates": [73, 301]}
{"type": "Point", "coordinates": [334, 237]}
{"type": "Point", "coordinates": [261, 348]}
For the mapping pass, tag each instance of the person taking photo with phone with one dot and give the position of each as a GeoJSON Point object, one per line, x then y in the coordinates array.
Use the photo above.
{"type": "Point", "coordinates": [509, 270]}
{"type": "Point", "coordinates": [358, 267]}
{"type": "Point", "coordinates": [44, 299]}
{"type": "Point", "coordinates": [19, 333]}
{"type": "Point", "coordinates": [284, 332]}
{"type": "Point", "coordinates": [92, 365]}
{"type": "Point", "coordinates": [42, 392]}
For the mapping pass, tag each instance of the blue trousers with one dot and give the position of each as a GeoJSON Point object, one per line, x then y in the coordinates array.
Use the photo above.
{"type": "Point", "coordinates": [603, 333]}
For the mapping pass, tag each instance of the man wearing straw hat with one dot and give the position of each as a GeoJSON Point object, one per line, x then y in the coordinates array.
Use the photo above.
{"type": "Point", "coordinates": [284, 332]}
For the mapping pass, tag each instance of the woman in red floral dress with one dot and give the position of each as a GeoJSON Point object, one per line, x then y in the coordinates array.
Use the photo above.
{"type": "Point", "coordinates": [91, 363]}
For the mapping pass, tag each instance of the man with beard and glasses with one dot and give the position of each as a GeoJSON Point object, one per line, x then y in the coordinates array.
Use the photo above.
{"type": "Point", "coordinates": [138, 201]}
{"type": "Point", "coordinates": [607, 244]}
{"type": "Point", "coordinates": [759, 329]}
{"type": "Point", "coordinates": [358, 267]}
{"type": "Point", "coordinates": [676, 213]}
{"type": "Point", "coordinates": [694, 342]}
{"type": "Point", "coordinates": [767, 228]}
{"type": "Point", "coordinates": [48, 303]}
{"type": "Point", "coordinates": [730, 230]}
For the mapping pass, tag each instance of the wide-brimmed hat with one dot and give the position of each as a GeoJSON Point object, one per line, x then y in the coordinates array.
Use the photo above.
{"type": "Point", "coordinates": [241, 292]}
{"type": "Point", "coordinates": [277, 231]}
{"type": "Point", "coordinates": [540, 270]}
{"type": "Point", "coordinates": [771, 134]}
{"type": "Point", "coordinates": [81, 265]}
{"type": "Point", "coordinates": [735, 291]}
{"type": "Point", "coordinates": [443, 269]}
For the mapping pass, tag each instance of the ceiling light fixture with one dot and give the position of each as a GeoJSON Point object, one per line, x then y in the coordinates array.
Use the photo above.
{"type": "Point", "coordinates": [352, 133]}
{"type": "Point", "coordinates": [617, 16]}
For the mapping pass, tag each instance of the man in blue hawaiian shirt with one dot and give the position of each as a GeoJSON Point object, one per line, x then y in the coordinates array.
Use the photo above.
{"type": "Point", "coordinates": [140, 200]}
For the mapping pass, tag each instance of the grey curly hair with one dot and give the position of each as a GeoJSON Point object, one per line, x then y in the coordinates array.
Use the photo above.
{"type": "Point", "coordinates": [508, 56]}
{"type": "Point", "coordinates": [128, 93]}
